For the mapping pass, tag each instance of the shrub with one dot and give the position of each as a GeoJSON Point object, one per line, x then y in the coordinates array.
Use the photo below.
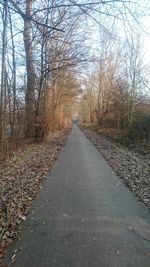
{"type": "Point", "coordinates": [140, 131]}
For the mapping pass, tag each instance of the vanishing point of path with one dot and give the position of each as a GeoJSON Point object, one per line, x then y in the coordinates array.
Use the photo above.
{"type": "Point", "coordinates": [84, 216]}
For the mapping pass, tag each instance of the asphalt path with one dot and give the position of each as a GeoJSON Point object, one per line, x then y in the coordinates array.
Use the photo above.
{"type": "Point", "coordinates": [84, 216]}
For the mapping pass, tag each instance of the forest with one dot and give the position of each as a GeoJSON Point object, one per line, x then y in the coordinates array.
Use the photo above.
{"type": "Point", "coordinates": [117, 94]}
{"type": "Point", "coordinates": [74, 67]}
{"type": "Point", "coordinates": [40, 50]}
{"type": "Point", "coordinates": [53, 65]}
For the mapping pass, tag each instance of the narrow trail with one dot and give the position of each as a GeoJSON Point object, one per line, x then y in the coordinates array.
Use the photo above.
{"type": "Point", "coordinates": [84, 216]}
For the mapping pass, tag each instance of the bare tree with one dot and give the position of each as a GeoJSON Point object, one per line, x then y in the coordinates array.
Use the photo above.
{"type": "Point", "coordinates": [3, 69]}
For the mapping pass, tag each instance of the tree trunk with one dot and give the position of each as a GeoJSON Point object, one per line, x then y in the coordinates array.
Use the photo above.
{"type": "Point", "coordinates": [12, 120]}
{"type": "Point", "coordinates": [30, 93]}
{"type": "Point", "coordinates": [3, 71]}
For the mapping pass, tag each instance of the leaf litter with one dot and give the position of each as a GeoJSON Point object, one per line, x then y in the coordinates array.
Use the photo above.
{"type": "Point", "coordinates": [21, 179]}
{"type": "Point", "coordinates": [132, 167]}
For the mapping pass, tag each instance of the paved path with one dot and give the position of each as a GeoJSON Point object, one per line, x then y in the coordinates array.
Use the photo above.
{"type": "Point", "coordinates": [84, 216]}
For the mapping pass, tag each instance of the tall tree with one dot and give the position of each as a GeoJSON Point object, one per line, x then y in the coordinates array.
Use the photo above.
{"type": "Point", "coordinates": [3, 67]}
{"type": "Point", "coordinates": [30, 91]}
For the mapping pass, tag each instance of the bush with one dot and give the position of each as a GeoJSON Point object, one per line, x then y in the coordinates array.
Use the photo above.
{"type": "Point", "coordinates": [140, 130]}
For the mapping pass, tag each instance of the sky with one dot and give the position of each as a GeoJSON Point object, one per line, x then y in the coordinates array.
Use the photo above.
{"type": "Point", "coordinates": [146, 36]}
{"type": "Point", "coordinates": [141, 25]}
{"type": "Point", "coordinates": [142, 12]}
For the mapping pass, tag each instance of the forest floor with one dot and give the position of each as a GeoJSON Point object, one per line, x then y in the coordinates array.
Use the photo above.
{"type": "Point", "coordinates": [22, 177]}
{"type": "Point", "coordinates": [131, 162]}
